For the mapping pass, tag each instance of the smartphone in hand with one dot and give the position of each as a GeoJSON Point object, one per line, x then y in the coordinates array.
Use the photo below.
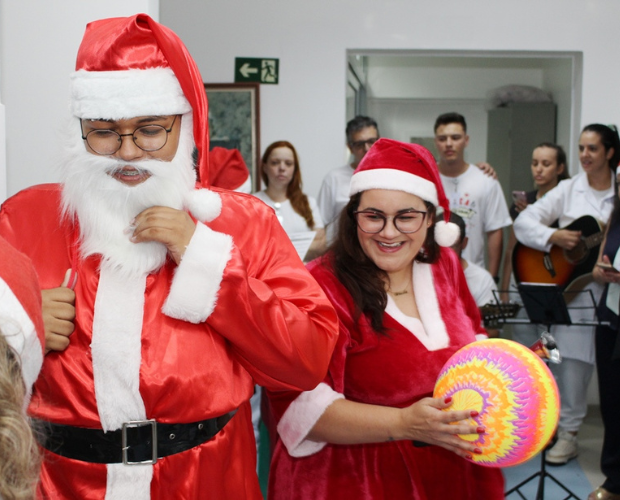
{"type": "Point", "coordinates": [519, 196]}
{"type": "Point", "coordinates": [607, 267]}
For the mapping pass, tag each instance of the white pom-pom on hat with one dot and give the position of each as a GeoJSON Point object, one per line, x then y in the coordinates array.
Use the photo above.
{"type": "Point", "coordinates": [446, 233]}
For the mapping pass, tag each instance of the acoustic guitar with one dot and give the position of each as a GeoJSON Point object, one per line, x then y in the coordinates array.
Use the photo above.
{"type": "Point", "coordinates": [568, 269]}
{"type": "Point", "coordinates": [494, 315]}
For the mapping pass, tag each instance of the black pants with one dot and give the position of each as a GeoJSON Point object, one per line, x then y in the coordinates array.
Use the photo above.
{"type": "Point", "coordinates": [608, 370]}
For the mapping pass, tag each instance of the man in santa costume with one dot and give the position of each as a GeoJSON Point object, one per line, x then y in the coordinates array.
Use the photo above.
{"type": "Point", "coordinates": [163, 304]}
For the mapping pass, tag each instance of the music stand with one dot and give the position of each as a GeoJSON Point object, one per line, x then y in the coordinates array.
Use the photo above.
{"type": "Point", "coordinates": [545, 304]}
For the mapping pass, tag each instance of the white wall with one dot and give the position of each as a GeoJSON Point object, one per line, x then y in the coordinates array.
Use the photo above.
{"type": "Point", "coordinates": [311, 40]}
{"type": "Point", "coordinates": [39, 41]}
{"type": "Point", "coordinates": [429, 82]}
{"type": "Point", "coordinates": [409, 92]}
{"type": "Point", "coordinates": [38, 44]}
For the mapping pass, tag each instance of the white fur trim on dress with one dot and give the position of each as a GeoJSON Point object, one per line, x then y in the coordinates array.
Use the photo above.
{"type": "Point", "coordinates": [204, 204]}
{"type": "Point", "coordinates": [395, 180]}
{"type": "Point", "coordinates": [128, 482]}
{"type": "Point", "coordinates": [197, 279]}
{"type": "Point", "coordinates": [300, 417]}
{"type": "Point", "coordinates": [428, 306]}
{"type": "Point", "coordinates": [116, 350]}
{"type": "Point", "coordinates": [21, 335]}
{"type": "Point", "coordinates": [114, 95]}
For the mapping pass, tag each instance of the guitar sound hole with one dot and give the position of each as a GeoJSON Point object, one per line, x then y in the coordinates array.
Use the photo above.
{"type": "Point", "coordinates": [578, 254]}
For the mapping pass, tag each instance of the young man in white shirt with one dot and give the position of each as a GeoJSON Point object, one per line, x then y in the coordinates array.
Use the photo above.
{"type": "Point", "coordinates": [475, 196]}
{"type": "Point", "coordinates": [362, 132]}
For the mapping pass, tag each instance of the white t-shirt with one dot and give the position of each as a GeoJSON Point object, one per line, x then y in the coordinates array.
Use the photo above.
{"type": "Point", "coordinates": [291, 221]}
{"type": "Point", "coordinates": [480, 201]}
{"type": "Point", "coordinates": [480, 283]}
{"type": "Point", "coordinates": [333, 197]}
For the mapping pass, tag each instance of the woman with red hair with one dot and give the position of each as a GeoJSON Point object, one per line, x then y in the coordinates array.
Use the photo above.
{"type": "Point", "coordinates": [297, 212]}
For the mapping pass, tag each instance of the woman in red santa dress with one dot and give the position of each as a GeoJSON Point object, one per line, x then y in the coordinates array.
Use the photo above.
{"type": "Point", "coordinates": [371, 429]}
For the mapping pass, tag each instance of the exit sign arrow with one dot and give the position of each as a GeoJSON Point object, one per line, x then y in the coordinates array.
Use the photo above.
{"type": "Point", "coordinates": [254, 69]}
{"type": "Point", "coordinates": [246, 70]}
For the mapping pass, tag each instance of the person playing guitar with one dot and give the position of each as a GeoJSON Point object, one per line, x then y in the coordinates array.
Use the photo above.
{"type": "Point", "coordinates": [591, 193]}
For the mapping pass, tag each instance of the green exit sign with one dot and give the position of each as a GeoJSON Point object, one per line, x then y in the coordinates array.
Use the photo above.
{"type": "Point", "coordinates": [252, 69]}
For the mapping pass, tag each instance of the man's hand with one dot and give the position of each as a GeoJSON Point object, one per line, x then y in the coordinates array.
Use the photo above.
{"type": "Point", "coordinates": [58, 315]}
{"type": "Point", "coordinates": [487, 169]}
{"type": "Point", "coordinates": [171, 227]}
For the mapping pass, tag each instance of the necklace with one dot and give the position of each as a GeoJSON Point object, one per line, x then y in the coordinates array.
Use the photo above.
{"type": "Point", "coordinates": [402, 292]}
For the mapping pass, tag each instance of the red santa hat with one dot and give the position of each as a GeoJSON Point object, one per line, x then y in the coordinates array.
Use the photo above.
{"type": "Point", "coordinates": [21, 321]}
{"type": "Point", "coordinates": [227, 170]}
{"type": "Point", "coordinates": [134, 66]}
{"type": "Point", "coordinates": [400, 166]}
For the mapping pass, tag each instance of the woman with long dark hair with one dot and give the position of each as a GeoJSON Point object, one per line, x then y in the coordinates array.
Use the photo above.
{"type": "Point", "coordinates": [298, 213]}
{"type": "Point", "coordinates": [591, 193]}
{"type": "Point", "coordinates": [404, 309]}
{"type": "Point", "coordinates": [549, 166]}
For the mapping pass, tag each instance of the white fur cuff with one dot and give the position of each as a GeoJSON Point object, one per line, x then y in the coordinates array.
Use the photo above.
{"type": "Point", "coordinates": [196, 282]}
{"type": "Point", "coordinates": [300, 417]}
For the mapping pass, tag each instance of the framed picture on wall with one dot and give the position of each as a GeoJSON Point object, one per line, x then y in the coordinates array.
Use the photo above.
{"type": "Point", "coordinates": [234, 121]}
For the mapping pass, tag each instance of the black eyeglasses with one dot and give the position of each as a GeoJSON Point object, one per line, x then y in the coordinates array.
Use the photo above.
{"type": "Point", "coordinates": [407, 222]}
{"type": "Point", "coordinates": [361, 144]}
{"type": "Point", "coordinates": [147, 137]}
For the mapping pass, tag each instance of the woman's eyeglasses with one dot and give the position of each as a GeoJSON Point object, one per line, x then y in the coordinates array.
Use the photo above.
{"type": "Point", "coordinates": [407, 222]}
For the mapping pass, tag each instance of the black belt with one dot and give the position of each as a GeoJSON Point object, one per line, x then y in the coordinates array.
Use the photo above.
{"type": "Point", "coordinates": [140, 442]}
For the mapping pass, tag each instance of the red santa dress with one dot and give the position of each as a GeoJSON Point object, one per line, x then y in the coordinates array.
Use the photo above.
{"type": "Point", "coordinates": [186, 343]}
{"type": "Point", "coordinates": [396, 370]}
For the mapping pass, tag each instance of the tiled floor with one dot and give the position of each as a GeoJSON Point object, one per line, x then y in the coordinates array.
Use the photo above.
{"type": "Point", "coordinates": [590, 443]}
{"type": "Point", "coordinates": [580, 476]}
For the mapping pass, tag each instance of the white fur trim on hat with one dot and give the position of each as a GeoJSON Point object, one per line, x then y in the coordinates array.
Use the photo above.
{"type": "Point", "coordinates": [21, 335]}
{"type": "Point", "coordinates": [395, 180]}
{"type": "Point", "coordinates": [246, 187]}
{"type": "Point", "coordinates": [114, 95]}
{"type": "Point", "coordinates": [446, 233]}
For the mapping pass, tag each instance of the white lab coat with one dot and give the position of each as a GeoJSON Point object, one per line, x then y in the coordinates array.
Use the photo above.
{"type": "Point", "coordinates": [569, 200]}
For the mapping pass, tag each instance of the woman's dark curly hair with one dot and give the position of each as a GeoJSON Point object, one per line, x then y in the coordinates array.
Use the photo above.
{"type": "Point", "coordinates": [359, 274]}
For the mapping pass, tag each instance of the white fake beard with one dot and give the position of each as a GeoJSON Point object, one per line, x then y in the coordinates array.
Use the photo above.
{"type": "Point", "coordinates": [105, 207]}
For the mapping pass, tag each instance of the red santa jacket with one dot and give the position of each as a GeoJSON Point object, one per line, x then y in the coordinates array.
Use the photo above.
{"type": "Point", "coordinates": [240, 309]}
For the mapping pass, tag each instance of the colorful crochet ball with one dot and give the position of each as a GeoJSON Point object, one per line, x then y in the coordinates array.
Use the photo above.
{"type": "Point", "coordinates": [514, 394]}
